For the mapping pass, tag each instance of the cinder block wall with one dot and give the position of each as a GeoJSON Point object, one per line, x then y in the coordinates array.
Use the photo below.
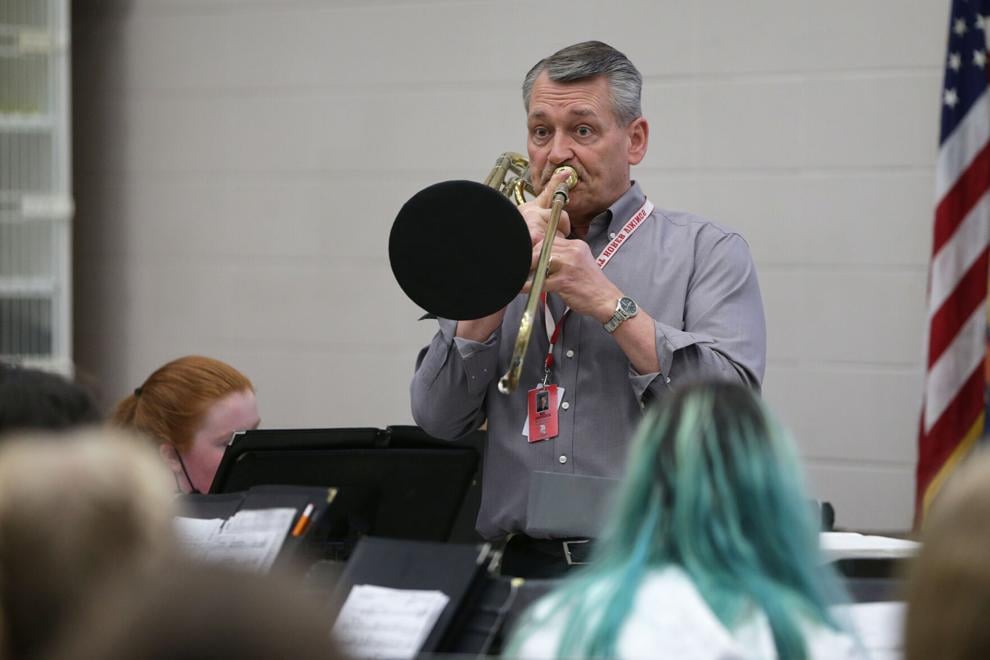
{"type": "Point", "coordinates": [238, 167]}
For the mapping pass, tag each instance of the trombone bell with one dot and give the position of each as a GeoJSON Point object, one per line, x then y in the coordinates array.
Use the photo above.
{"type": "Point", "coordinates": [460, 250]}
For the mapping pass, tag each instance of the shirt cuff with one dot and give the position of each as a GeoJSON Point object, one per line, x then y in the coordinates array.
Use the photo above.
{"type": "Point", "coordinates": [668, 340]}
{"type": "Point", "coordinates": [468, 348]}
{"type": "Point", "coordinates": [479, 359]}
{"type": "Point", "coordinates": [641, 383]}
{"type": "Point", "coordinates": [465, 347]}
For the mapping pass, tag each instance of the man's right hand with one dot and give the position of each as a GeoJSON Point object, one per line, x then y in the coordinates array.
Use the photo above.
{"type": "Point", "coordinates": [537, 215]}
{"type": "Point", "coordinates": [537, 212]}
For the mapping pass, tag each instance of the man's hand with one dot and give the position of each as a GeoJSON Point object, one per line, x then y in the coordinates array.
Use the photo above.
{"type": "Point", "coordinates": [537, 212]}
{"type": "Point", "coordinates": [575, 276]}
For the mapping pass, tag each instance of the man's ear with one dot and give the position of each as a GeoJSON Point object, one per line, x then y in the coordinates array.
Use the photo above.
{"type": "Point", "coordinates": [638, 132]}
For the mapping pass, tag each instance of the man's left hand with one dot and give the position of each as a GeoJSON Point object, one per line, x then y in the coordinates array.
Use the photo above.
{"type": "Point", "coordinates": [574, 275]}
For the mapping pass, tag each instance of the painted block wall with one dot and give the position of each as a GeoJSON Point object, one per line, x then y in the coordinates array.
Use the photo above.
{"type": "Point", "coordinates": [238, 166]}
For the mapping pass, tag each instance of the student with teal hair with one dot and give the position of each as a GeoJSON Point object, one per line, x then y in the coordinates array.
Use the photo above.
{"type": "Point", "coordinates": [711, 550]}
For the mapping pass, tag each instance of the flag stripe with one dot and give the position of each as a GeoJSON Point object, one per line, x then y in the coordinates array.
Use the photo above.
{"type": "Point", "coordinates": [969, 296]}
{"type": "Point", "coordinates": [942, 438]}
{"type": "Point", "coordinates": [960, 148]}
{"type": "Point", "coordinates": [961, 198]}
{"type": "Point", "coordinates": [958, 255]}
{"type": "Point", "coordinates": [947, 376]}
{"type": "Point", "coordinates": [953, 407]}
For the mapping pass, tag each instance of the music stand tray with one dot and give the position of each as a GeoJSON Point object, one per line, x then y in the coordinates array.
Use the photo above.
{"type": "Point", "coordinates": [407, 488]}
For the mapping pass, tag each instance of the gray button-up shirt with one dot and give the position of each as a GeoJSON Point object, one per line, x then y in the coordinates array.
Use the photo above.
{"type": "Point", "coordinates": [696, 279]}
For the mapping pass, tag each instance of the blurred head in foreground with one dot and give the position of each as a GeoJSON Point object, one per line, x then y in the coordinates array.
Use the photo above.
{"type": "Point", "coordinates": [949, 582]}
{"type": "Point", "coordinates": [711, 541]}
{"type": "Point", "coordinates": [75, 511]}
{"type": "Point", "coordinates": [35, 399]}
{"type": "Point", "coordinates": [202, 612]}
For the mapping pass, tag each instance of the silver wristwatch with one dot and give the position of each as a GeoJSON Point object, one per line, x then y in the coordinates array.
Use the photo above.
{"type": "Point", "coordinates": [625, 309]}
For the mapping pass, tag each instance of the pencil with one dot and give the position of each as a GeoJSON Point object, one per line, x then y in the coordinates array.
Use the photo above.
{"type": "Point", "coordinates": [303, 520]}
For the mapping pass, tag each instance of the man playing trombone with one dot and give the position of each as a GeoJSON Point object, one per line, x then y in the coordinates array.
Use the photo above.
{"type": "Point", "coordinates": [638, 301]}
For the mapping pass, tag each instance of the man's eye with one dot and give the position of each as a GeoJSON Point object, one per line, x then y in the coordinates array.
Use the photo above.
{"type": "Point", "coordinates": [540, 133]}
{"type": "Point", "coordinates": [584, 131]}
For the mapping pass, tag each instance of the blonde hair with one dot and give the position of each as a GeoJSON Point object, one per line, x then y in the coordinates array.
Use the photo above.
{"type": "Point", "coordinates": [75, 511]}
{"type": "Point", "coordinates": [949, 582]}
{"type": "Point", "coordinates": [175, 616]}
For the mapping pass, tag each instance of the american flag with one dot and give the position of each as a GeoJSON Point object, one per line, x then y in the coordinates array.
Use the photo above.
{"type": "Point", "coordinates": [954, 409]}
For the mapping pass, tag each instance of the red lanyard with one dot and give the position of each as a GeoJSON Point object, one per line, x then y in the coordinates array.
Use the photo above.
{"type": "Point", "coordinates": [554, 329]}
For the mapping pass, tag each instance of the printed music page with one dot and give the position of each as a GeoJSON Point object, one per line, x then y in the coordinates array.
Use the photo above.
{"type": "Point", "coordinates": [378, 622]}
{"type": "Point", "coordinates": [249, 539]}
{"type": "Point", "coordinates": [851, 545]}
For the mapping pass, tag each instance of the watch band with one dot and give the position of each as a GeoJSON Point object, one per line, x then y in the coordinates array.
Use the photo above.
{"type": "Point", "coordinates": [625, 309]}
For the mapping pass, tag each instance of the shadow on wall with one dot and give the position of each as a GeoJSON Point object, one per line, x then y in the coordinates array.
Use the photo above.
{"type": "Point", "coordinates": [100, 178]}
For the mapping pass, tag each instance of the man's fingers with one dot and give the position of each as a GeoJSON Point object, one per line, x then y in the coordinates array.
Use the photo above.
{"type": "Point", "coordinates": [564, 224]}
{"type": "Point", "coordinates": [535, 258]}
{"type": "Point", "coordinates": [545, 198]}
{"type": "Point", "coordinates": [553, 264]}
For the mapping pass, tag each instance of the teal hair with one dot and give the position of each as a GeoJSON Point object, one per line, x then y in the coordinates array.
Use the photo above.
{"type": "Point", "coordinates": [713, 487]}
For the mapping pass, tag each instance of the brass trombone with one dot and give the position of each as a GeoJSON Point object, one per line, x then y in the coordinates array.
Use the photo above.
{"type": "Point", "coordinates": [507, 383]}
{"type": "Point", "coordinates": [510, 176]}
{"type": "Point", "coordinates": [429, 262]}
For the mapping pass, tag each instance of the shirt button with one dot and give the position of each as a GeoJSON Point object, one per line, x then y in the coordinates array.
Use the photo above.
{"type": "Point", "coordinates": [612, 235]}
{"type": "Point", "coordinates": [562, 459]}
{"type": "Point", "coordinates": [569, 353]}
{"type": "Point", "coordinates": [565, 405]}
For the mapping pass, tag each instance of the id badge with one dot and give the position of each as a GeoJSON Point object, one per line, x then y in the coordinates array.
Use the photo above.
{"type": "Point", "coordinates": [542, 413]}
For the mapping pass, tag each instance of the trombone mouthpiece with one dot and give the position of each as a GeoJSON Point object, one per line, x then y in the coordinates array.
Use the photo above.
{"type": "Point", "coordinates": [572, 177]}
{"type": "Point", "coordinates": [564, 187]}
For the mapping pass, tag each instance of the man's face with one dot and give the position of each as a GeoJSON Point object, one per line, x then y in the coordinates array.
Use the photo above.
{"type": "Point", "coordinates": [574, 124]}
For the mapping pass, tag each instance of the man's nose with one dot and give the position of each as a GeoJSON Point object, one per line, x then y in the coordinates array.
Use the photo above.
{"type": "Point", "coordinates": [561, 148]}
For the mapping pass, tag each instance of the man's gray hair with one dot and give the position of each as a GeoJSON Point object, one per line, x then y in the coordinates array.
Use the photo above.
{"type": "Point", "coordinates": [587, 60]}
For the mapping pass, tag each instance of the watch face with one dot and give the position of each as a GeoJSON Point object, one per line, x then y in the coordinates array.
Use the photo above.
{"type": "Point", "coordinates": [627, 305]}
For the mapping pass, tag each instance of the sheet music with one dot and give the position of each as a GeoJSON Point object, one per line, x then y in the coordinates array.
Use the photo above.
{"type": "Point", "coordinates": [249, 539]}
{"type": "Point", "coordinates": [195, 533]}
{"type": "Point", "coordinates": [880, 626]}
{"type": "Point", "coordinates": [843, 545]}
{"type": "Point", "coordinates": [379, 622]}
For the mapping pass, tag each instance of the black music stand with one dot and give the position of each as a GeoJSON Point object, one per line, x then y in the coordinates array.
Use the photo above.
{"type": "Point", "coordinates": [457, 570]}
{"type": "Point", "coordinates": [295, 548]}
{"type": "Point", "coordinates": [407, 487]}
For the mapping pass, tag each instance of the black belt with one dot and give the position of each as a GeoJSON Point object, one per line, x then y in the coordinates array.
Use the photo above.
{"type": "Point", "coordinates": [574, 552]}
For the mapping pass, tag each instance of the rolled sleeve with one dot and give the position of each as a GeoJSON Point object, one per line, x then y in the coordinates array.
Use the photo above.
{"type": "Point", "coordinates": [645, 385]}
{"type": "Point", "coordinates": [725, 331]}
{"type": "Point", "coordinates": [480, 361]}
{"type": "Point", "coordinates": [449, 386]}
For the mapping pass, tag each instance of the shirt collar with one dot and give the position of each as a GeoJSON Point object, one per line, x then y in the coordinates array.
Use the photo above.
{"type": "Point", "coordinates": [618, 213]}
